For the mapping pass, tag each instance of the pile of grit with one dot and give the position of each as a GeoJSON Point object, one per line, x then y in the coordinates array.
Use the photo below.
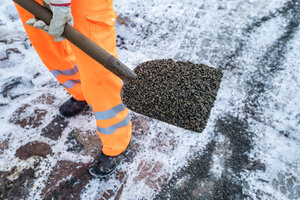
{"type": "Point", "coordinates": [179, 93]}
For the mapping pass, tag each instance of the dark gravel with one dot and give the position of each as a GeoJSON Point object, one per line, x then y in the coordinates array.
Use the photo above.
{"type": "Point", "coordinates": [179, 93]}
{"type": "Point", "coordinates": [200, 182]}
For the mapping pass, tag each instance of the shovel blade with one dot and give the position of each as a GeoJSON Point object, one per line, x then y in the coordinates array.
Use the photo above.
{"type": "Point", "coordinates": [178, 93]}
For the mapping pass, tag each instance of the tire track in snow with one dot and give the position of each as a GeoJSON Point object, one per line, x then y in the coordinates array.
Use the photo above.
{"type": "Point", "coordinates": [197, 181]}
{"type": "Point", "coordinates": [271, 62]}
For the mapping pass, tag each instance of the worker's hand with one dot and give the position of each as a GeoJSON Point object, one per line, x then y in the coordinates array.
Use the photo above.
{"type": "Point", "coordinates": [61, 15]}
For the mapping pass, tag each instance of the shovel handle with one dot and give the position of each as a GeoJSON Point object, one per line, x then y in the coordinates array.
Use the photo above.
{"type": "Point", "coordinates": [82, 42]}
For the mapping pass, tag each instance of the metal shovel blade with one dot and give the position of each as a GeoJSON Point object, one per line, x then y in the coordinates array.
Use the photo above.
{"type": "Point", "coordinates": [179, 93]}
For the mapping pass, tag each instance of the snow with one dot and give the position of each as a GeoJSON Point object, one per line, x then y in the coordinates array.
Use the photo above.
{"type": "Point", "coordinates": [210, 32]}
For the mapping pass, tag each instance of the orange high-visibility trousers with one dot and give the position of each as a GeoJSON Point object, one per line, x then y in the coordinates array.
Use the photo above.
{"type": "Point", "coordinates": [83, 77]}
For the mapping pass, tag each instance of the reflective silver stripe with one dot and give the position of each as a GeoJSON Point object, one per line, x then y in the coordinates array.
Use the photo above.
{"type": "Point", "coordinates": [111, 129]}
{"type": "Point", "coordinates": [111, 113]}
{"type": "Point", "coordinates": [70, 83]}
{"type": "Point", "coordinates": [67, 72]}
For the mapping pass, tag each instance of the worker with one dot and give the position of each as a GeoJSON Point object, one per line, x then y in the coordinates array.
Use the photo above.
{"type": "Point", "coordinates": [88, 82]}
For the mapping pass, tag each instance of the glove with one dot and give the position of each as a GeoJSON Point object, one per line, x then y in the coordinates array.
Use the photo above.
{"type": "Point", "coordinates": [61, 15]}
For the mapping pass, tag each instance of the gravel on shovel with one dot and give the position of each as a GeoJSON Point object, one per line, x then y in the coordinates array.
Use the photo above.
{"type": "Point", "coordinates": [179, 93]}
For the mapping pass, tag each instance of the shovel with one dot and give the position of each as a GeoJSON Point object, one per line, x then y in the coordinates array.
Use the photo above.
{"type": "Point", "coordinates": [179, 93]}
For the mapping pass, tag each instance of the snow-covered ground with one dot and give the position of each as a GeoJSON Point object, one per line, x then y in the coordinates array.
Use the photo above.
{"type": "Point", "coordinates": [249, 149]}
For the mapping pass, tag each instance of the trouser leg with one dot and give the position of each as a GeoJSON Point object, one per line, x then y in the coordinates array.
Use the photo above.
{"type": "Point", "coordinates": [57, 56]}
{"type": "Point", "coordinates": [101, 88]}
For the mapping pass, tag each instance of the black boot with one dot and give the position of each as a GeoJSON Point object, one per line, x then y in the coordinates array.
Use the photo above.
{"type": "Point", "coordinates": [71, 107]}
{"type": "Point", "coordinates": [103, 164]}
